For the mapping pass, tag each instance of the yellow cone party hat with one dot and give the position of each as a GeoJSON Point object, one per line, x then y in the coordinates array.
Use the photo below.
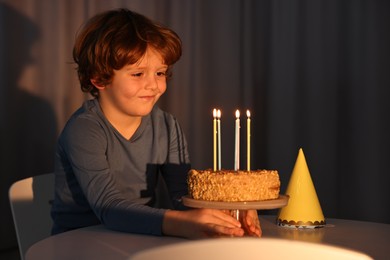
{"type": "Point", "coordinates": [303, 209]}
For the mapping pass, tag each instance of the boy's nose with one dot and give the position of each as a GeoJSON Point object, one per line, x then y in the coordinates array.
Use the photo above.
{"type": "Point", "coordinates": [152, 83]}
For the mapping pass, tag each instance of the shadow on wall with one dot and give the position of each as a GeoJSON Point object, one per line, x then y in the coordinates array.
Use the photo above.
{"type": "Point", "coordinates": [27, 122]}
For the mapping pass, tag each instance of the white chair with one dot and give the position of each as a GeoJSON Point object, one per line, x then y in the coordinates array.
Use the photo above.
{"type": "Point", "coordinates": [30, 200]}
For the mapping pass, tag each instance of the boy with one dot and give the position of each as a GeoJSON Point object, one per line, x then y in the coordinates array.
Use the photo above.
{"type": "Point", "coordinates": [113, 148]}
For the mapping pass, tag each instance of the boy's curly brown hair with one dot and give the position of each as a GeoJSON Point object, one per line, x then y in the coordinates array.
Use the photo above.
{"type": "Point", "coordinates": [113, 39]}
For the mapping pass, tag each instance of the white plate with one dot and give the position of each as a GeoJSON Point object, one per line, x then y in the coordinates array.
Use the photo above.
{"type": "Point", "coordinates": [248, 248]}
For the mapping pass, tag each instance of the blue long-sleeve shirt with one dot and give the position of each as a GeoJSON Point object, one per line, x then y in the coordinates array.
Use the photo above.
{"type": "Point", "coordinates": [101, 177]}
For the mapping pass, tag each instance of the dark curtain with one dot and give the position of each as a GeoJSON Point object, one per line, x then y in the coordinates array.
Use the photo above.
{"type": "Point", "coordinates": [314, 73]}
{"type": "Point", "coordinates": [327, 87]}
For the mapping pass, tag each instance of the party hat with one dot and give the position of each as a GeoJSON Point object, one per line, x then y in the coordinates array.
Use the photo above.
{"type": "Point", "coordinates": [303, 209]}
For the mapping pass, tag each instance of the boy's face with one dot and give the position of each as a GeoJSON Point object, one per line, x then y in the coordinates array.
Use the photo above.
{"type": "Point", "coordinates": [135, 88]}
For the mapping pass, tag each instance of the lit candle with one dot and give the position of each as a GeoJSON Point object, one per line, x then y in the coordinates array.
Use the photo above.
{"type": "Point", "coordinates": [248, 140]}
{"type": "Point", "coordinates": [237, 142]}
{"type": "Point", "coordinates": [215, 139]}
{"type": "Point", "coordinates": [219, 137]}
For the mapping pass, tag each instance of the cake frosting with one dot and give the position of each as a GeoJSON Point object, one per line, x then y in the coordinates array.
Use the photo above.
{"type": "Point", "coordinates": [231, 186]}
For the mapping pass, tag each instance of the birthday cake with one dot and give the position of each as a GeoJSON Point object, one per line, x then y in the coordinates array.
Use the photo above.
{"type": "Point", "coordinates": [231, 186]}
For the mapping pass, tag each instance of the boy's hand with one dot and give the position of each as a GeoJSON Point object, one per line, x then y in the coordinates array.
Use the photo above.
{"type": "Point", "coordinates": [201, 223]}
{"type": "Point", "coordinates": [250, 223]}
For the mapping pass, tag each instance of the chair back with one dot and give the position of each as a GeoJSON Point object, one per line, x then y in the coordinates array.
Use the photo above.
{"type": "Point", "coordinates": [30, 201]}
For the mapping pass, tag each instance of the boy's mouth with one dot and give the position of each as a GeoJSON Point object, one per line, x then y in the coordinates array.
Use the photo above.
{"type": "Point", "coordinates": [148, 98]}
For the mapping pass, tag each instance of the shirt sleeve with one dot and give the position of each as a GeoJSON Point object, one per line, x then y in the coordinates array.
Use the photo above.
{"type": "Point", "coordinates": [85, 143]}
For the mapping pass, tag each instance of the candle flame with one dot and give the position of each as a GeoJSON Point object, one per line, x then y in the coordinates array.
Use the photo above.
{"type": "Point", "coordinates": [219, 113]}
{"type": "Point", "coordinates": [248, 113]}
{"type": "Point", "coordinates": [237, 113]}
{"type": "Point", "coordinates": [214, 113]}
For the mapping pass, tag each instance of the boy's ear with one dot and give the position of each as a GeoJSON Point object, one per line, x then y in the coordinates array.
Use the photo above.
{"type": "Point", "coordinates": [97, 84]}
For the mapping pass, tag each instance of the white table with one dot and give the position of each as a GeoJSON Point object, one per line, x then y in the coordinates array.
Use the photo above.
{"type": "Point", "coordinates": [97, 242]}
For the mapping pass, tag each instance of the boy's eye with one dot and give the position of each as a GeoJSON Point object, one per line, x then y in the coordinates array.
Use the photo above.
{"type": "Point", "coordinates": [139, 74]}
{"type": "Point", "coordinates": [161, 73]}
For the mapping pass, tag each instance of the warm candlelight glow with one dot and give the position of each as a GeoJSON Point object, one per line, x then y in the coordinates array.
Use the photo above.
{"type": "Point", "coordinates": [237, 142]}
{"type": "Point", "coordinates": [215, 139]}
{"type": "Point", "coordinates": [248, 147]}
{"type": "Point", "coordinates": [219, 138]}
